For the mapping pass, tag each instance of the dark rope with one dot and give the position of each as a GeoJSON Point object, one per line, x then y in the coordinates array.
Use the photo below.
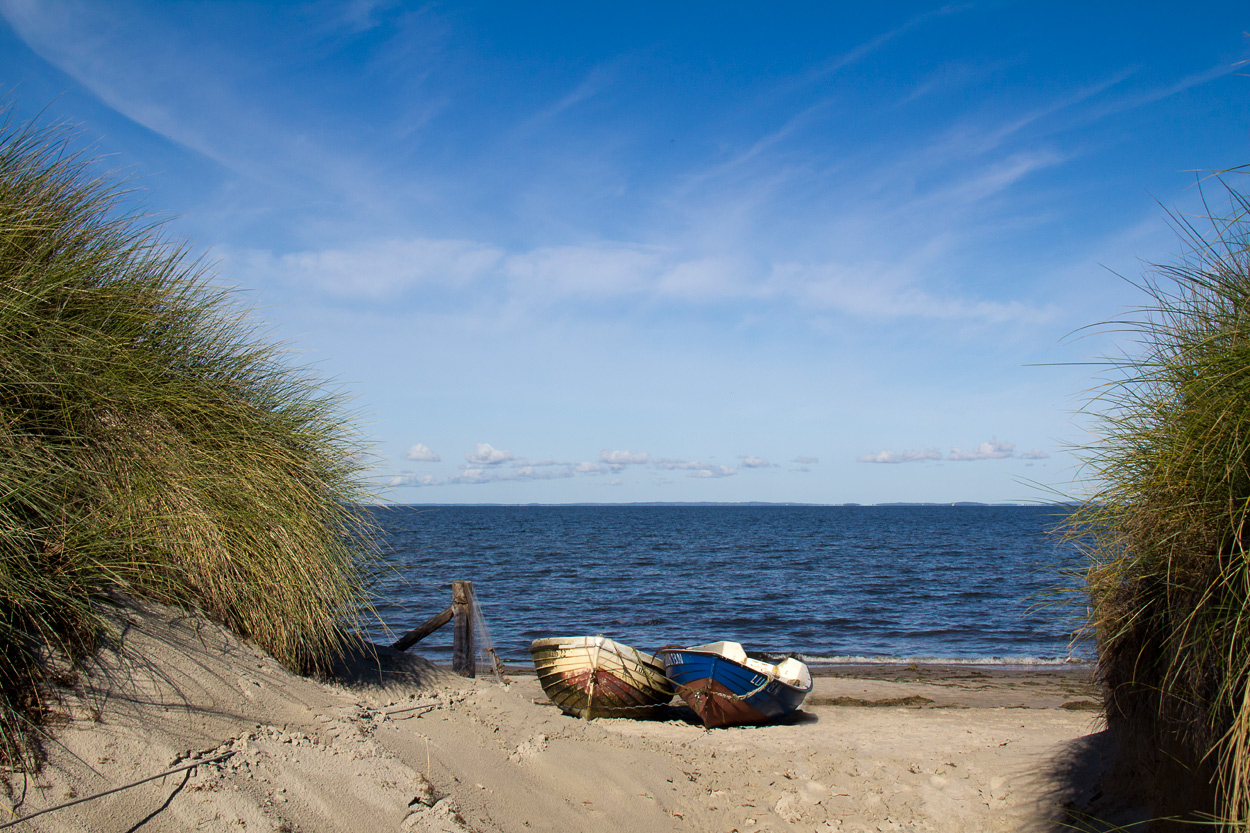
{"type": "Point", "coordinates": [189, 766]}
{"type": "Point", "coordinates": [186, 776]}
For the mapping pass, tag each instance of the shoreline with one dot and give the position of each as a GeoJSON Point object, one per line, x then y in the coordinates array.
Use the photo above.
{"type": "Point", "coordinates": [929, 686]}
{"type": "Point", "coordinates": [398, 743]}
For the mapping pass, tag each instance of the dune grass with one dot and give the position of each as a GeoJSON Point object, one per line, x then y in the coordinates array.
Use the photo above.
{"type": "Point", "coordinates": [151, 444]}
{"type": "Point", "coordinates": [1169, 577]}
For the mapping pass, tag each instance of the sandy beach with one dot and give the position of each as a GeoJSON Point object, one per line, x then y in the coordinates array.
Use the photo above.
{"type": "Point", "coordinates": [400, 744]}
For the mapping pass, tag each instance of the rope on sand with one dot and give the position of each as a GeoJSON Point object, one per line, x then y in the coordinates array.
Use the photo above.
{"type": "Point", "coordinates": [191, 765]}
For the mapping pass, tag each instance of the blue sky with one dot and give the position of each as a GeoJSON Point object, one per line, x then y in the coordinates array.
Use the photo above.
{"type": "Point", "coordinates": [568, 252]}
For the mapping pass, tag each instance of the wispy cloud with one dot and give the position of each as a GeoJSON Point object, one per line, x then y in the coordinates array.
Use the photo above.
{"type": "Point", "coordinates": [873, 44]}
{"type": "Point", "coordinates": [477, 476]}
{"type": "Point", "coordinates": [886, 456]}
{"type": "Point", "coordinates": [379, 271]}
{"type": "Point", "coordinates": [590, 86]}
{"type": "Point", "coordinates": [882, 290]}
{"type": "Point", "coordinates": [1158, 93]}
{"type": "Point", "coordinates": [992, 450]}
{"type": "Point", "coordinates": [695, 468]}
{"type": "Point", "coordinates": [363, 15]}
{"type": "Point", "coordinates": [487, 464]}
{"type": "Point", "coordinates": [412, 479]}
{"type": "Point", "coordinates": [584, 271]}
{"type": "Point", "coordinates": [81, 40]}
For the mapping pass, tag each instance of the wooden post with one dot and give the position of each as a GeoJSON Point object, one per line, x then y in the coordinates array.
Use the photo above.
{"type": "Point", "coordinates": [422, 631]}
{"type": "Point", "coordinates": [463, 657]}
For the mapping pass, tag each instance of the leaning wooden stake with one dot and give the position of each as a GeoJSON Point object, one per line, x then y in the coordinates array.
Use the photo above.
{"type": "Point", "coordinates": [423, 630]}
{"type": "Point", "coordinates": [463, 657]}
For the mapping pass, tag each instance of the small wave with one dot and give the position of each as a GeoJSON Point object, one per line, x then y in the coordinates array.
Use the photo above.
{"type": "Point", "coordinates": [998, 661]}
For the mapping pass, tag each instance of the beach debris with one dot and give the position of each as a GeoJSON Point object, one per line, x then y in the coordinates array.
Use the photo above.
{"type": "Point", "coordinates": [424, 792]}
{"type": "Point", "coordinates": [441, 817]}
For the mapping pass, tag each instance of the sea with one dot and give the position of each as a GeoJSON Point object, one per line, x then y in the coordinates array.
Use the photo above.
{"type": "Point", "coordinates": [976, 584]}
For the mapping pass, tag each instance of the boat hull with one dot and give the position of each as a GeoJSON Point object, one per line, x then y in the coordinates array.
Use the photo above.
{"type": "Point", "coordinates": [725, 692]}
{"type": "Point", "coordinates": [593, 676]}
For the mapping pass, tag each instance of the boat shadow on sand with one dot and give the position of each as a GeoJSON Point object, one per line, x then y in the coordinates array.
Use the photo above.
{"type": "Point", "coordinates": [678, 712]}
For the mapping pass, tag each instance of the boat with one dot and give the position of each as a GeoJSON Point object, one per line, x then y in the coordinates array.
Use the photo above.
{"type": "Point", "coordinates": [593, 676]}
{"type": "Point", "coordinates": [725, 687]}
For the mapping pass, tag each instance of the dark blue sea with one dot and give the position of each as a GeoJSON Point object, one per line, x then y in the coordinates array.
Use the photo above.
{"type": "Point", "coordinates": [826, 583]}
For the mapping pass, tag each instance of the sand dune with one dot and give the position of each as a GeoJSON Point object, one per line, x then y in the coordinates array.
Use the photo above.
{"type": "Point", "coordinates": [399, 744]}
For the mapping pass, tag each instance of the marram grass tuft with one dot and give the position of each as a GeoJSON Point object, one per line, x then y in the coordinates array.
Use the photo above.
{"type": "Point", "coordinates": [1169, 575]}
{"type": "Point", "coordinates": [151, 445]}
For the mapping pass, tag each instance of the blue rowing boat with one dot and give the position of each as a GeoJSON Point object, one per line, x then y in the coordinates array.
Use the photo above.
{"type": "Point", "coordinates": [725, 687]}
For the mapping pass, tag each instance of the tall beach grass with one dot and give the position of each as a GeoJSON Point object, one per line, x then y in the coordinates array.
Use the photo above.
{"type": "Point", "coordinates": [1169, 576]}
{"type": "Point", "coordinates": [150, 444]}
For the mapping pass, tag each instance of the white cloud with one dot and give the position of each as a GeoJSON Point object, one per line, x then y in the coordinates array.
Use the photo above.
{"type": "Point", "coordinates": [993, 450]}
{"type": "Point", "coordinates": [1035, 454]}
{"type": "Point", "coordinates": [487, 455]}
{"type": "Point", "coordinates": [696, 468]}
{"type": "Point", "coordinates": [474, 474]}
{"type": "Point", "coordinates": [714, 471]}
{"type": "Point", "coordinates": [619, 459]}
{"type": "Point", "coordinates": [885, 456]}
{"type": "Point", "coordinates": [805, 461]}
{"type": "Point", "coordinates": [478, 475]}
{"type": "Point", "coordinates": [411, 479]}
{"type": "Point", "coordinates": [488, 464]}
{"type": "Point", "coordinates": [420, 453]}
{"type": "Point", "coordinates": [679, 465]}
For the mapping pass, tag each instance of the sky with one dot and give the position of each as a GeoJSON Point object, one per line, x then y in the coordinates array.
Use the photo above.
{"type": "Point", "coordinates": [619, 252]}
